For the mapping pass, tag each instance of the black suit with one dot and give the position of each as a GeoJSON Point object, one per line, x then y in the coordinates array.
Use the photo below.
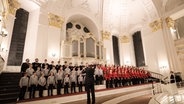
{"type": "Point", "coordinates": [35, 65]}
{"type": "Point", "coordinates": [44, 64]}
{"type": "Point", "coordinates": [24, 66]}
{"type": "Point", "coordinates": [51, 66]}
{"type": "Point", "coordinates": [89, 82]}
{"type": "Point", "coordinates": [58, 66]}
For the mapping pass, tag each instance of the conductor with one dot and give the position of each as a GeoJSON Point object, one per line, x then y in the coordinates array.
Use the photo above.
{"type": "Point", "coordinates": [89, 82]}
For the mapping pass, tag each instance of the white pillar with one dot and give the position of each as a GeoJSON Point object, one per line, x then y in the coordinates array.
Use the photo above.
{"type": "Point", "coordinates": [174, 63]}
{"type": "Point", "coordinates": [31, 35]}
{"type": "Point", "coordinates": [109, 50]}
{"type": "Point", "coordinates": [7, 40]}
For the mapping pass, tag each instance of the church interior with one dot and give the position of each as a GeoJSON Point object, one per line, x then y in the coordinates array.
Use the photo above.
{"type": "Point", "coordinates": [136, 48]}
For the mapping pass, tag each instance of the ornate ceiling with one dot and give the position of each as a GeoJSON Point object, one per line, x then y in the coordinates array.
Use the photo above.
{"type": "Point", "coordinates": [120, 17]}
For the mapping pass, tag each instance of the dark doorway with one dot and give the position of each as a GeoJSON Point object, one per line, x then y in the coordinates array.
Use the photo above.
{"type": "Point", "coordinates": [116, 50]}
{"type": "Point", "coordinates": [138, 49]}
{"type": "Point", "coordinates": [18, 38]}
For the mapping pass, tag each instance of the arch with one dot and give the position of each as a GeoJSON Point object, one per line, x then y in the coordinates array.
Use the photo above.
{"type": "Point", "coordinates": [86, 22]}
{"type": "Point", "coordinates": [84, 18]}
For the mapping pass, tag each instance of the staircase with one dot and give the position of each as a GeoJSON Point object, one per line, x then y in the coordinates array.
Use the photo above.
{"type": "Point", "coordinates": [9, 87]}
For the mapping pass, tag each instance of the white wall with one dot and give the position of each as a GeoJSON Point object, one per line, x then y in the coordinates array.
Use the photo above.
{"type": "Point", "coordinates": [48, 39]}
{"type": "Point", "coordinates": [42, 41]}
{"type": "Point", "coordinates": [7, 40]}
{"type": "Point", "coordinates": [154, 50]}
{"type": "Point", "coordinates": [127, 54]}
{"type": "Point", "coordinates": [31, 35]}
{"type": "Point", "coordinates": [53, 52]}
{"type": "Point", "coordinates": [109, 51]}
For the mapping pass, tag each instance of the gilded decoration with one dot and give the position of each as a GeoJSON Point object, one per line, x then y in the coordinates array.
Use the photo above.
{"type": "Point", "coordinates": [13, 6]}
{"type": "Point", "coordinates": [156, 25]}
{"type": "Point", "coordinates": [170, 22]}
{"type": "Point", "coordinates": [105, 35]}
{"type": "Point", "coordinates": [124, 39]}
{"type": "Point", "coordinates": [90, 34]}
{"type": "Point", "coordinates": [55, 20]}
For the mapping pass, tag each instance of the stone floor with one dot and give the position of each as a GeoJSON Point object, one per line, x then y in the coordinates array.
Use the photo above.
{"type": "Point", "coordinates": [138, 100]}
{"type": "Point", "coordinates": [99, 100]}
{"type": "Point", "coordinates": [113, 98]}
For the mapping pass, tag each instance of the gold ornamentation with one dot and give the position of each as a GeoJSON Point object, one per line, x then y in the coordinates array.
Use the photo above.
{"type": "Point", "coordinates": [55, 20]}
{"type": "Point", "coordinates": [124, 39]}
{"type": "Point", "coordinates": [4, 9]}
{"type": "Point", "coordinates": [170, 22]}
{"type": "Point", "coordinates": [90, 34]}
{"type": "Point", "coordinates": [156, 25]}
{"type": "Point", "coordinates": [105, 35]}
{"type": "Point", "coordinates": [13, 6]}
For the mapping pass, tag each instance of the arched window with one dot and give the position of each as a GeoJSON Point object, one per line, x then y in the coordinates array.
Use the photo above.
{"type": "Point", "coordinates": [101, 52]}
{"type": "Point", "coordinates": [74, 48]}
{"type": "Point", "coordinates": [90, 47]}
{"type": "Point", "coordinates": [98, 51]}
{"type": "Point", "coordinates": [81, 48]}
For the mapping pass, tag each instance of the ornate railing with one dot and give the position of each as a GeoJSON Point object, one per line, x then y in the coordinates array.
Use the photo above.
{"type": "Point", "coordinates": [157, 75]}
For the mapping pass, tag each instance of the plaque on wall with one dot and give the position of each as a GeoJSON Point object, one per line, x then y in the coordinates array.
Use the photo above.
{"type": "Point", "coordinates": [18, 38]}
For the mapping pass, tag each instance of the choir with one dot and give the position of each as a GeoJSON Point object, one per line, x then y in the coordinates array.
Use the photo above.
{"type": "Point", "coordinates": [42, 76]}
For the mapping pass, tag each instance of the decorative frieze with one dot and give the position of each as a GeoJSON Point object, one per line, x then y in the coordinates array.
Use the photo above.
{"type": "Point", "coordinates": [13, 5]}
{"type": "Point", "coordinates": [156, 25]}
{"type": "Point", "coordinates": [124, 39]}
{"type": "Point", "coordinates": [105, 35]}
{"type": "Point", "coordinates": [55, 20]}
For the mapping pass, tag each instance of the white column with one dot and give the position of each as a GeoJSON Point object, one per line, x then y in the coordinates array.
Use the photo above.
{"type": "Point", "coordinates": [174, 63]}
{"type": "Point", "coordinates": [109, 51]}
{"type": "Point", "coordinates": [7, 40]}
{"type": "Point", "coordinates": [31, 36]}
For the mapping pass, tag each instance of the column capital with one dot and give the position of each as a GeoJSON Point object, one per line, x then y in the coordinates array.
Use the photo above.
{"type": "Point", "coordinates": [13, 5]}
{"type": "Point", "coordinates": [105, 35]}
{"type": "Point", "coordinates": [124, 39]}
{"type": "Point", "coordinates": [55, 20]}
{"type": "Point", "coordinates": [170, 22]}
{"type": "Point", "coordinates": [156, 25]}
